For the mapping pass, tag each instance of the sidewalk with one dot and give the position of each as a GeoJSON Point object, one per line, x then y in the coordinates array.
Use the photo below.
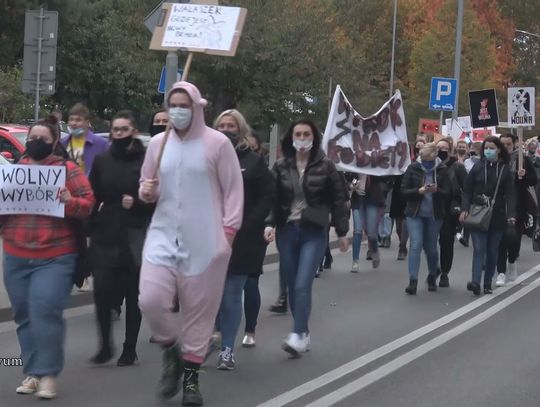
{"type": "Point", "coordinates": [78, 299]}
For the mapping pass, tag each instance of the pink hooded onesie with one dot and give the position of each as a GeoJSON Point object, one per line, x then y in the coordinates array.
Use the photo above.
{"type": "Point", "coordinates": [199, 200]}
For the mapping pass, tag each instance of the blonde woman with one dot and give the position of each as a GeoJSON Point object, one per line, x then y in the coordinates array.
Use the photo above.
{"type": "Point", "coordinates": [249, 247]}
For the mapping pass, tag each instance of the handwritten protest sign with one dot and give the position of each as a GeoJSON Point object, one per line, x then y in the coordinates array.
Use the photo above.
{"type": "Point", "coordinates": [31, 190]}
{"type": "Point", "coordinates": [211, 29]}
{"type": "Point", "coordinates": [376, 145]}
{"type": "Point", "coordinates": [521, 107]}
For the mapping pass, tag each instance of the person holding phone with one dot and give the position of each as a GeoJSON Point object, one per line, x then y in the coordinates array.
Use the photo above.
{"type": "Point", "coordinates": [426, 186]}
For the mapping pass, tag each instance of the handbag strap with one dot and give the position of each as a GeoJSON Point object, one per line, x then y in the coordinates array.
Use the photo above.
{"type": "Point", "coordinates": [497, 187]}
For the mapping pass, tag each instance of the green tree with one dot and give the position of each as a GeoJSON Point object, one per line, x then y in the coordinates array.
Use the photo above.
{"type": "Point", "coordinates": [14, 105]}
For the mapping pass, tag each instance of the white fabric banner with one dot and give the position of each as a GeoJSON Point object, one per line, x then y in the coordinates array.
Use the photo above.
{"type": "Point", "coordinates": [31, 190]}
{"type": "Point", "coordinates": [376, 145]}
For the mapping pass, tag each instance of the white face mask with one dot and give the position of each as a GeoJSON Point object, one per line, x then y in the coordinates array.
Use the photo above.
{"type": "Point", "coordinates": [302, 145]}
{"type": "Point", "coordinates": [180, 117]}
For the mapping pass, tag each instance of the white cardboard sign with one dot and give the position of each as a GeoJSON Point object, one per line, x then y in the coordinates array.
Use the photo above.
{"type": "Point", "coordinates": [521, 107]}
{"type": "Point", "coordinates": [32, 190]}
{"type": "Point", "coordinates": [204, 27]}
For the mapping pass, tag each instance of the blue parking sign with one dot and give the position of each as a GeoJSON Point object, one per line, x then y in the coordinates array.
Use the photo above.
{"type": "Point", "coordinates": [162, 79]}
{"type": "Point", "coordinates": [443, 94]}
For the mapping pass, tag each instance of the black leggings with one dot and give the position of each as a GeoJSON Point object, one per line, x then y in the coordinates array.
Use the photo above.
{"type": "Point", "coordinates": [252, 303]}
{"type": "Point", "coordinates": [447, 236]}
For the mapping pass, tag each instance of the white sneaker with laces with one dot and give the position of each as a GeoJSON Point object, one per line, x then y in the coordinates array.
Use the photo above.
{"type": "Point", "coordinates": [511, 271]}
{"type": "Point", "coordinates": [355, 267]}
{"type": "Point", "coordinates": [296, 344]}
{"type": "Point", "coordinates": [47, 388]}
{"type": "Point", "coordinates": [501, 280]}
{"type": "Point", "coordinates": [28, 385]}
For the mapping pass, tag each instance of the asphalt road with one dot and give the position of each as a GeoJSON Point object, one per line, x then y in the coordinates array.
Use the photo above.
{"type": "Point", "coordinates": [372, 345]}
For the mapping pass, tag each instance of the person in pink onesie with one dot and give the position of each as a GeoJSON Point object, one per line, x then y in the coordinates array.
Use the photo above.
{"type": "Point", "coordinates": [199, 199]}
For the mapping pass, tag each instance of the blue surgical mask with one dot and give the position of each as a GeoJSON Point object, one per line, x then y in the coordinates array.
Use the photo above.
{"type": "Point", "coordinates": [491, 155]}
{"type": "Point", "coordinates": [76, 132]}
{"type": "Point", "coordinates": [428, 165]}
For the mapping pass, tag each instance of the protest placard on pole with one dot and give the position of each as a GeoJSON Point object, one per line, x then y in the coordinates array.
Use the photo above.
{"type": "Point", "coordinates": [521, 113]}
{"type": "Point", "coordinates": [32, 190]}
{"type": "Point", "coordinates": [375, 145]}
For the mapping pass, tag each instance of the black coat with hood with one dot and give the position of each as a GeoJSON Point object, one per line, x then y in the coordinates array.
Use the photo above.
{"type": "Point", "coordinates": [249, 247]}
{"type": "Point", "coordinates": [414, 179]}
{"type": "Point", "coordinates": [114, 174]}
{"type": "Point", "coordinates": [482, 181]}
{"type": "Point", "coordinates": [322, 186]}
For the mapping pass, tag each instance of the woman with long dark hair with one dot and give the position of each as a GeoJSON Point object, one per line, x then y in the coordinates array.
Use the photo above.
{"type": "Point", "coordinates": [309, 198]}
{"type": "Point", "coordinates": [481, 187]}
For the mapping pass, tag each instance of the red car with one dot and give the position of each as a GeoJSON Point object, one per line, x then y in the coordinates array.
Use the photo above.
{"type": "Point", "coordinates": [12, 141]}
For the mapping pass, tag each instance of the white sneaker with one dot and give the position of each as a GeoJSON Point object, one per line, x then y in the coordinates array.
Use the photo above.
{"type": "Point", "coordinates": [87, 285]}
{"type": "Point", "coordinates": [511, 271]}
{"type": "Point", "coordinates": [355, 267]}
{"type": "Point", "coordinates": [28, 385]}
{"type": "Point", "coordinates": [47, 388]}
{"type": "Point", "coordinates": [296, 344]}
{"type": "Point", "coordinates": [501, 280]}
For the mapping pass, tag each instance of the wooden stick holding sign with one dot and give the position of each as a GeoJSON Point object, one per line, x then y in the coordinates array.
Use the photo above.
{"type": "Point", "coordinates": [520, 148]}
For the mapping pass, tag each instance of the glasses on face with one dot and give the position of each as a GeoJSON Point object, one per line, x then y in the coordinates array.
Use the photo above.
{"type": "Point", "coordinates": [120, 129]}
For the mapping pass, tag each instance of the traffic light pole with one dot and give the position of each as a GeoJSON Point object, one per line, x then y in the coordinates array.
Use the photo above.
{"type": "Point", "coordinates": [38, 73]}
{"type": "Point", "coordinates": [457, 61]}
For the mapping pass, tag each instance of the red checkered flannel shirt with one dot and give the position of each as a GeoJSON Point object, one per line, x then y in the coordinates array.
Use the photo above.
{"type": "Point", "coordinates": [43, 237]}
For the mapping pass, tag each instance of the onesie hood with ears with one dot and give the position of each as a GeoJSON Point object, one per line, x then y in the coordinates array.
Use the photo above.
{"type": "Point", "coordinates": [199, 103]}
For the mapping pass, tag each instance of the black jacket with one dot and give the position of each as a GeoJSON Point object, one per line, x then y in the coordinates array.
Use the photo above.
{"type": "Point", "coordinates": [414, 179]}
{"type": "Point", "coordinates": [482, 180]}
{"type": "Point", "coordinates": [323, 189]}
{"type": "Point", "coordinates": [524, 203]}
{"type": "Point", "coordinates": [249, 247]}
{"type": "Point", "coordinates": [457, 174]}
{"type": "Point", "coordinates": [377, 189]}
{"type": "Point", "coordinates": [114, 175]}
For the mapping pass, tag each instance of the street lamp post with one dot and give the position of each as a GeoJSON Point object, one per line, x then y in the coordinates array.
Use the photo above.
{"type": "Point", "coordinates": [393, 50]}
{"type": "Point", "coordinates": [457, 60]}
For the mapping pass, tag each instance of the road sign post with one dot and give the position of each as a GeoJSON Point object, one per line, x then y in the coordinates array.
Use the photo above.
{"type": "Point", "coordinates": [39, 63]}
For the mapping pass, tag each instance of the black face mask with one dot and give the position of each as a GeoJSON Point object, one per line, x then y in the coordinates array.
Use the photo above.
{"type": "Point", "coordinates": [472, 153]}
{"type": "Point", "coordinates": [235, 138]}
{"type": "Point", "coordinates": [443, 155]}
{"type": "Point", "coordinates": [156, 129]}
{"type": "Point", "coordinates": [38, 149]}
{"type": "Point", "coordinates": [121, 145]}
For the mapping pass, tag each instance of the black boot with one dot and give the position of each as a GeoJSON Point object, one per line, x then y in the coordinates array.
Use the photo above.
{"type": "Point", "coordinates": [173, 368]}
{"type": "Point", "coordinates": [443, 281]}
{"type": "Point", "coordinates": [432, 282]}
{"type": "Point", "coordinates": [280, 307]}
{"type": "Point", "coordinates": [103, 356]}
{"type": "Point", "coordinates": [474, 287]}
{"type": "Point", "coordinates": [488, 289]}
{"type": "Point", "coordinates": [128, 356]}
{"type": "Point", "coordinates": [192, 395]}
{"type": "Point", "coordinates": [411, 288]}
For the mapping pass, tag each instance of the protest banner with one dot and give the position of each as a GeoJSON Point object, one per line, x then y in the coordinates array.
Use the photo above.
{"type": "Point", "coordinates": [376, 145]}
{"type": "Point", "coordinates": [31, 190]}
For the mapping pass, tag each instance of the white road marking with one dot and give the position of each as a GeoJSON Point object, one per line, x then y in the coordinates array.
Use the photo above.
{"type": "Point", "coordinates": [363, 360]}
{"type": "Point", "coordinates": [379, 373]}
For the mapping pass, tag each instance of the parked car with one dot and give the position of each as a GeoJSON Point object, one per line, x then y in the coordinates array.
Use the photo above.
{"type": "Point", "coordinates": [12, 141]}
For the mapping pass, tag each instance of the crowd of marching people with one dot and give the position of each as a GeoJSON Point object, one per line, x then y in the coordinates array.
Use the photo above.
{"type": "Point", "coordinates": [189, 263]}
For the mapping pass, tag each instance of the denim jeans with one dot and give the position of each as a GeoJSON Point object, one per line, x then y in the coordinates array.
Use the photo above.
{"type": "Point", "coordinates": [230, 313]}
{"type": "Point", "coordinates": [252, 302]}
{"type": "Point", "coordinates": [486, 251]}
{"type": "Point", "coordinates": [366, 218]}
{"type": "Point", "coordinates": [385, 226]}
{"type": "Point", "coordinates": [301, 250]}
{"type": "Point", "coordinates": [423, 233]}
{"type": "Point", "coordinates": [39, 291]}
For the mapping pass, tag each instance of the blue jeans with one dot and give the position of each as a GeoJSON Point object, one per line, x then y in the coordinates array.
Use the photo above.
{"type": "Point", "coordinates": [252, 302]}
{"type": "Point", "coordinates": [423, 233]}
{"type": "Point", "coordinates": [366, 218]}
{"type": "Point", "coordinates": [230, 313]}
{"type": "Point", "coordinates": [39, 291]}
{"type": "Point", "coordinates": [301, 250]}
{"type": "Point", "coordinates": [486, 251]}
